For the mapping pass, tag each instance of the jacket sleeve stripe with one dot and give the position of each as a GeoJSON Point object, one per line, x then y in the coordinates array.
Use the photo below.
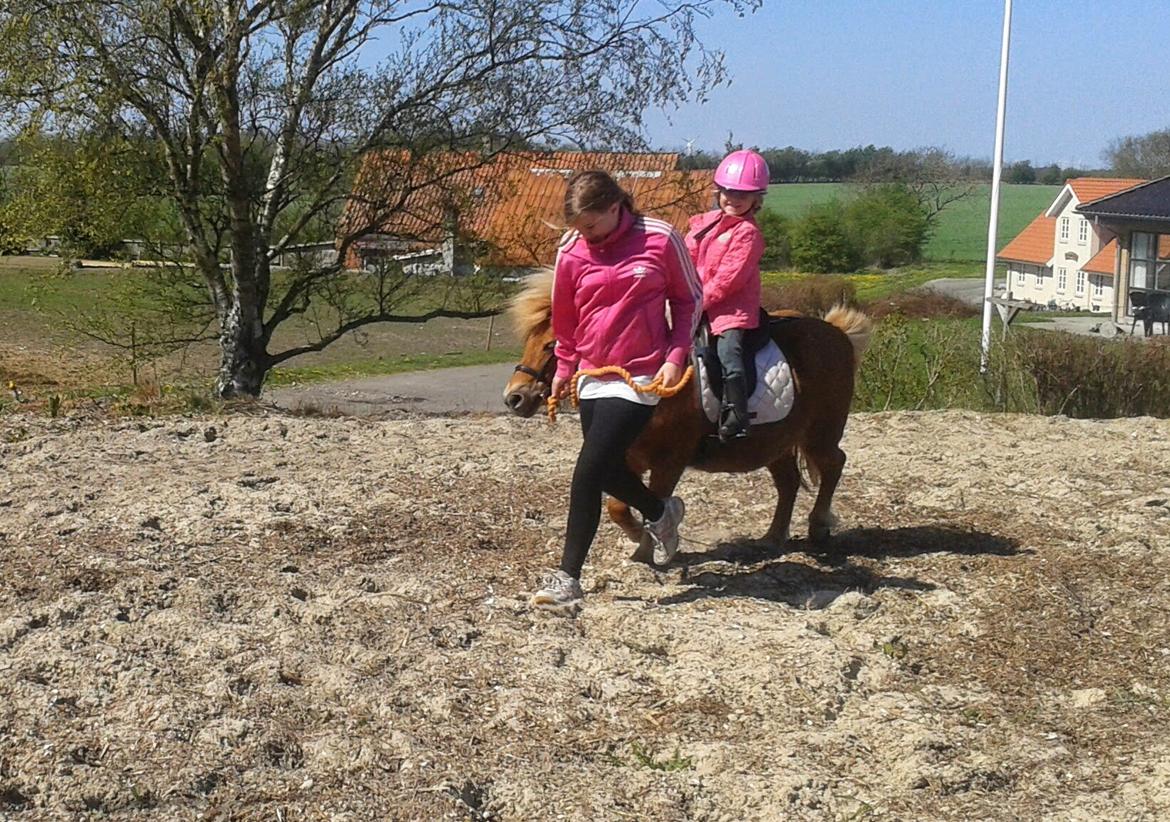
{"type": "Point", "coordinates": [686, 265]}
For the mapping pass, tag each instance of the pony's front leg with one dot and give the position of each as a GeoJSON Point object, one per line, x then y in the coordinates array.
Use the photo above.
{"type": "Point", "coordinates": [624, 518]}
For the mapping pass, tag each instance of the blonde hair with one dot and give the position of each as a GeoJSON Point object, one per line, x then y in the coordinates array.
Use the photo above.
{"type": "Point", "coordinates": [594, 191]}
{"type": "Point", "coordinates": [756, 206]}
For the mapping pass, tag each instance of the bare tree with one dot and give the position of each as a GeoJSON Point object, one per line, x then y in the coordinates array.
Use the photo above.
{"type": "Point", "coordinates": [933, 175]}
{"type": "Point", "coordinates": [262, 110]}
{"type": "Point", "coordinates": [1146, 156]}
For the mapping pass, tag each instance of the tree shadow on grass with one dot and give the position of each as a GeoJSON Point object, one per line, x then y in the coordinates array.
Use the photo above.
{"type": "Point", "coordinates": [805, 585]}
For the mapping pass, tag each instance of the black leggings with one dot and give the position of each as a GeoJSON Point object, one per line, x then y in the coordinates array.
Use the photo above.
{"type": "Point", "coordinates": [610, 426]}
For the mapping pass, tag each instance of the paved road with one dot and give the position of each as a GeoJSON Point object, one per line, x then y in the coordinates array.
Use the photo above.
{"type": "Point", "coordinates": [967, 289]}
{"type": "Point", "coordinates": [970, 290]}
{"type": "Point", "coordinates": [473, 389]}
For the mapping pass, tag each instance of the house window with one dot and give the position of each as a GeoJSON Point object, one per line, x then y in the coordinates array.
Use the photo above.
{"type": "Point", "coordinates": [1083, 232]}
{"type": "Point", "coordinates": [1061, 279]}
{"type": "Point", "coordinates": [1021, 276]}
{"type": "Point", "coordinates": [1039, 278]}
{"type": "Point", "coordinates": [1064, 228]}
{"type": "Point", "coordinates": [1080, 283]}
{"type": "Point", "coordinates": [1098, 286]}
{"type": "Point", "coordinates": [1149, 261]}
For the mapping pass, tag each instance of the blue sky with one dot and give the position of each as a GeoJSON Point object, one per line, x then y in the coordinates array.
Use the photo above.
{"type": "Point", "coordinates": [825, 74]}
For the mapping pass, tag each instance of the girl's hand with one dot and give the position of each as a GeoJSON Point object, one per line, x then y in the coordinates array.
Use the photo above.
{"type": "Point", "coordinates": [669, 373]}
{"type": "Point", "coordinates": [559, 387]}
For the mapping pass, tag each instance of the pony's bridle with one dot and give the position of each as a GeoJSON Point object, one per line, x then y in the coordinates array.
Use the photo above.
{"type": "Point", "coordinates": [545, 374]}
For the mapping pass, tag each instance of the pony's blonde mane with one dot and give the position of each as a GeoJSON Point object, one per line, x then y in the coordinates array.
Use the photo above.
{"type": "Point", "coordinates": [532, 307]}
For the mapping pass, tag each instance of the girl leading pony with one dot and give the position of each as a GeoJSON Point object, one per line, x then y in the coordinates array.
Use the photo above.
{"type": "Point", "coordinates": [823, 354]}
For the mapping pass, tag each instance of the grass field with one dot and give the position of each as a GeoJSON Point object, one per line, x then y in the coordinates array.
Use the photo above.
{"type": "Point", "coordinates": [38, 352]}
{"type": "Point", "coordinates": [962, 228]}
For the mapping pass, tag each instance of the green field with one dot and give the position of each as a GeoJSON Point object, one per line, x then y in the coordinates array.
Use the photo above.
{"type": "Point", "coordinates": [962, 229]}
{"type": "Point", "coordinates": [41, 353]}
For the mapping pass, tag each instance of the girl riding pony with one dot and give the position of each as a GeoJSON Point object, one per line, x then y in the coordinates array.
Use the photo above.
{"type": "Point", "coordinates": [726, 246]}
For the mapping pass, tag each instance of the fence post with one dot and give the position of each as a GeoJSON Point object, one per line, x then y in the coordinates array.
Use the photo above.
{"type": "Point", "coordinates": [133, 354]}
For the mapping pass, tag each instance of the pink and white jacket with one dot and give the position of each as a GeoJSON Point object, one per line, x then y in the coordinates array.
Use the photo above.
{"type": "Point", "coordinates": [611, 299]}
{"type": "Point", "coordinates": [726, 251]}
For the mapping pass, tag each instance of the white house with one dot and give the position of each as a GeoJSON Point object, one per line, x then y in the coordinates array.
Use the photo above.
{"type": "Point", "coordinates": [1063, 260]}
{"type": "Point", "coordinates": [1140, 219]}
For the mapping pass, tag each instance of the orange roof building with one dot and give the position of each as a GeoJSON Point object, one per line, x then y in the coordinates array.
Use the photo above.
{"type": "Point", "coordinates": [1033, 244]}
{"type": "Point", "coordinates": [1104, 260]}
{"type": "Point", "coordinates": [1061, 259]}
{"type": "Point", "coordinates": [1139, 219]}
{"type": "Point", "coordinates": [1088, 189]}
{"type": "Point", "coordinates": [502, 212]}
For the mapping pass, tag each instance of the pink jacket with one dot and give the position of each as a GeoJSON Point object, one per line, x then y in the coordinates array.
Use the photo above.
{"type": "Point", "coordinates": [610, 300]}
{"type": "Point", "coordinates": [727, 250]}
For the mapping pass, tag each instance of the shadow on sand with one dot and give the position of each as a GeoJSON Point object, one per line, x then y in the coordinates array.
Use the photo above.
{"type": "Point", "coordinates": [804, 585]}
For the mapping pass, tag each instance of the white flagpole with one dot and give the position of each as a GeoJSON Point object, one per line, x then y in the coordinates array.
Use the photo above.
{"type": "Point", "coordinates": [996, 171]}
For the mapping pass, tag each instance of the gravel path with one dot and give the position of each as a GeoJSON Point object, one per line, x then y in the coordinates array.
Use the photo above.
{"type": "Point", "coordinates": [260, 617]}
{"type": "Point", "coordinates": [473, 389]}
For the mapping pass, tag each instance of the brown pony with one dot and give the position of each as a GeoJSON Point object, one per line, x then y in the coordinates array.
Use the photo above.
{"type": "Point", "coordinates": [823, 354]}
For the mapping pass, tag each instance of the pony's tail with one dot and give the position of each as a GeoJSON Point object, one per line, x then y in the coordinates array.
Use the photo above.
{"type": "Point", "coordinates": [855, 325]}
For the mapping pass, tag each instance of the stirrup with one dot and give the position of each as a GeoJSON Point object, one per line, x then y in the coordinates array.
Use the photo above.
{"type": "Point", "coordinates": [731, 426]}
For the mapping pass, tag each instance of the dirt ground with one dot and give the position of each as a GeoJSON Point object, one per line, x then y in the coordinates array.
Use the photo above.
{"type": "Point", "coordinates": [265, 617]}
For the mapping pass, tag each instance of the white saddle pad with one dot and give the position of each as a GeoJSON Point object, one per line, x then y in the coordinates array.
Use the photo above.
{"type": "Point", "coordinates": [774, 394]}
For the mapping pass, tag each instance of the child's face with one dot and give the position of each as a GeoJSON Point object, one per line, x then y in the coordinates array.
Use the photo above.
{"type": "Point", "coordinates": [737, 203]}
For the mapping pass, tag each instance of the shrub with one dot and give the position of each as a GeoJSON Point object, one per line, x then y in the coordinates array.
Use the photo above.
{"type": "Point", "coordinates": [821, 241]}
{"type": "Point", "coordinates": [888, 225]}
{"type": "Point", "coordinates": [884, 226]}
{"type": "Point", "coordinates": [927, 364]}
{"type": "Point", "coordinates": [1093, 378]}
{"type": "Point", "coordinates": [10, 241]}
{"type": "Point", "coordinates": [923, 304]}
{"type": "Point", "coordinates": [810, 295]}
{"type": "Point", "coordinates": [916, 365]}
{"type": "Point", "coordinates": [776, 229]}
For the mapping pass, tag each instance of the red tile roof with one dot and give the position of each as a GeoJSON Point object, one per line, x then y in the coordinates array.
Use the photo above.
{"type": "Point", "coordinates": [1033, 245]}
{"type": "Point", "coordinates": [1088, 189]}
{"type": "Point", "coordinates": [511, 204]}
{"type": "Point", "coordinates": [1103, 261]}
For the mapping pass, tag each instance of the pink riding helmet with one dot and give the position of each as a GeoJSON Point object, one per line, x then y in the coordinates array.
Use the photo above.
{"type": "Point", "coordinates": [743, 170]}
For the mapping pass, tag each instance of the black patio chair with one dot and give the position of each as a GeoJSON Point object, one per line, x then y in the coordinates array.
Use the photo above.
{"type": "Point", "coordinates": [1158, 310]}
{"type": "Point", "coordinates": [1139, 301]}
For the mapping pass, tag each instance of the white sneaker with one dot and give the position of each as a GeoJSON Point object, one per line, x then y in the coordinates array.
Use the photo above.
{"type": "Point", "coordinates": [558, 592]}
{"type": "Point", "coordinates": [664, 530]}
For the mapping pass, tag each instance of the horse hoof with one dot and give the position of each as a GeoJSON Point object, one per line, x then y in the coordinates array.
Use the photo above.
{"type": "Point", "coordinates": [820, 534]}
{"type": "Point", "coordinates": [771, 540]}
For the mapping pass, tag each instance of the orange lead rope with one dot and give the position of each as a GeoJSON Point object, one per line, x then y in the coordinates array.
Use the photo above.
{"type": "Point", "coordinates": [653, 387]}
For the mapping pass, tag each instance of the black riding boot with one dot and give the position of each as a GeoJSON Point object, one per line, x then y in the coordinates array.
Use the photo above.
{"type": "Point", "coordinates": [733, 417]}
